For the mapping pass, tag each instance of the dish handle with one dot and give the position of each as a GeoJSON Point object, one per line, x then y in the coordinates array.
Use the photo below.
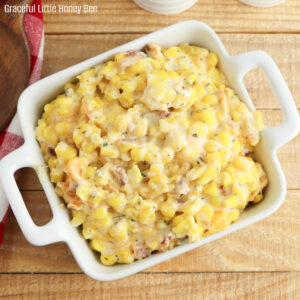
{"type": "Point", "coordinates": [37, 235]}
{"type": "Point", "coordinates": [290, 126]}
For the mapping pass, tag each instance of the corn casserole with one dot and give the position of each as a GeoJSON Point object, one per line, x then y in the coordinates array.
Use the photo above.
{"type": "Point", "coordinates": [152, 150]}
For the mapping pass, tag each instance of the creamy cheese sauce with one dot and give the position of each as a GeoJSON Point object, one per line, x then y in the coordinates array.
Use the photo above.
{"type": "Point", "coordinates": [151, 150]}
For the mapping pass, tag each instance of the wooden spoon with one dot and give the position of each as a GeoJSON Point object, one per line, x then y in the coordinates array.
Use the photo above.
{"type": "Point", "coordinates": [14, 61]}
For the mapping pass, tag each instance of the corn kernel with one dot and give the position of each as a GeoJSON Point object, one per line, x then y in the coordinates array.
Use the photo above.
{"type": "Point", "coordinates": [153, 245]}
{"type": "Point", "coordinates": [207, 116]}
{"type": "Point", "coordinates": [119, 231]}
{"type": "Point", "coordinates": [211, 189]}
{"type": "Point", "coordinates": [108, 259]}
{"type": "Point", "coordinates": [83, 191]}
{"type": "Point", "coordinates": [226, 179]}
{"type": "Point", "coordinates": [97, 245]}
{"type": "Point", "coordinates": [88, 231]}
{"type": "Point", "coordinates": [172, 52]}
{"type": "Point", "coordinates": [168, 209]}
{"type": "Point", "coordinates": [110, 152]}
{"type": "Point", "coordinates": [134, 175]}
{"type": "Point", "coordinates": [231, 202]}
{"type": "Point", "coordinates": [50, 136]}
{"type": "Point", "coordinates": [209, 174]}
{"type": "Point", "coordinates": [212, 59]}
{"type": "Point", "coordinates": [182, 228]}
{"type": "Point", "coordinates": [125, 146]}
{"type": "Point", "coordinates": [258, 197]}
{"type": "Point", "coordinates": [78, 218]}
{"type": "Point", "coordinates": [259, 120]}
{"type": "Point", "coordinates": [141, 127]}
{"type": "Point", "coordinates": [178, 219]}
{"type": "Point", "coordinates": [125, 256]}
{"type": "Point", "coordinates": [224, 138]}
{"type": "Point", "coordinates": [167, 154]}
{"type": "Point", "coordinates": [205, 214]}
{"type": "Point", "coordinates": [117, 201]}
{"type": "Point", "coordinates": [137, 154]}
{"type": "Point", "coordinates": [243, 163]}
{"type": "Point", "coordinates": [121, 122]}
{"type": "Point", "coordinates": [105, 222]}
{"type": "Point", "coordinates": [62, 128]}
{"type": "Point", "coordinates": [100, 212]}
{"type": "Point", "coordinates": [159, 183]}
{"type": "Point", "coordinates": [211, 146]}
{"type": "Point", "coordinates": [220, 221]}
{"type": "Point", "coordinates": [56, 175]}
{"type": "Point", "coordinates": [234, 215]}
{"type": "Point", "coordinates": [195, 173]}
{"type": "Point", "coordinates": [211, 99]}
{"type": "Point", "coordinates": [192, 207]}
{"type": "Point", "coordinates": [215, 202]}
{"type": "Point", "coordinates": [196, 233]}
{"type": "Point", "coordinates": [147, 216]}
{"type": "Point", "coordinates": [65, 151]}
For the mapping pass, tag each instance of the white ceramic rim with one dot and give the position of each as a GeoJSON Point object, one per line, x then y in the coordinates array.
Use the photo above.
{"type": "Point", "coordinates": [165, 8]}
{"type": "Point", "coordinates": [262, 3]}
{"type": "Point", "coordinates": [59, 229]}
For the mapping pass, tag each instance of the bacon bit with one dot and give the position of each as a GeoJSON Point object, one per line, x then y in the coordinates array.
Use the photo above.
{"type": "Point", "coordinates": [247, 153]}
{"type": "Point", "coordinates": [221, 95]}
{"type": "Point", "coordinates": [182, 186]}
{"type": "Point", "coordinates": [131, 53]}
{"type": "Point", "coordinates": [76, 203]}
{"type": "Point", "coordinates": [153, 50]}
{"type": "Point", "coordinates": [164, 114]}
{"type": "Point", "coordinates": [165, 243]}
{"type": "Point", "coordinates": [120, 175]}
{"type": "Point", "coordinates": [51, 151]}
{"type": "Point", "coordinates": [141, 252]}
{"type": "Point", "coordinates": [121, 91]}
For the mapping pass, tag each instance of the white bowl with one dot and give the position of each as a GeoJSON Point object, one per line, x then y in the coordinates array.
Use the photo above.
{"type": "Point", "coordinates": [165, 7]}
{"type": "Point", "coordinates": [262, 3]}
{"type": "Point", "coordinates": [59, 229]}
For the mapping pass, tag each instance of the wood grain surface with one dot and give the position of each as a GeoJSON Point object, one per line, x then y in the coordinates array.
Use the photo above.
{"type": "Point", "coordinates": [167, 286]}
{"type": "Point", "coordinates": [223, 15]}
{"type": "Point", "coordinates": [259, 262]}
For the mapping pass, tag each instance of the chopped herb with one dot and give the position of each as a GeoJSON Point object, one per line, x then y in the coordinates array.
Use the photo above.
{"type": "Point", "coordinates": [105, 144]}
{"type": "Point", "coordinates": [195, 135]}
{"type": "Point", "coordinates": [116, 223]}
{"type": "Point", "coordinates": [132, 220]}
{"type": "Point", "coordinates": [84, 132]}
{"type": "Point", "coordinates": [144, 175]}
{"type": "Point", "coordinates": [124, 133]}
{"type": "Point", "coordinates": [200, 160]}
{"type": "Point", "coordinates": [167, 222]}
{"type": "Point", "coordinates": [123, 215]}
{"type": "Point", "coordinates": [136, 240]}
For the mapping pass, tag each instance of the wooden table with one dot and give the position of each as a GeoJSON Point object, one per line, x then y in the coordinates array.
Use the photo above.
{"type": "Point", "coordinates": [259, 262]}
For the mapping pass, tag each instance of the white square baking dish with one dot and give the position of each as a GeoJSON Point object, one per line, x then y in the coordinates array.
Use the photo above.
{"type": "Point", "coordinates": [59, 229]}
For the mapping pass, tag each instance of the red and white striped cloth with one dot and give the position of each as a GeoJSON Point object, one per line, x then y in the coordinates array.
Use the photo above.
{"type": "Point", "coordinates": [12, 137]}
